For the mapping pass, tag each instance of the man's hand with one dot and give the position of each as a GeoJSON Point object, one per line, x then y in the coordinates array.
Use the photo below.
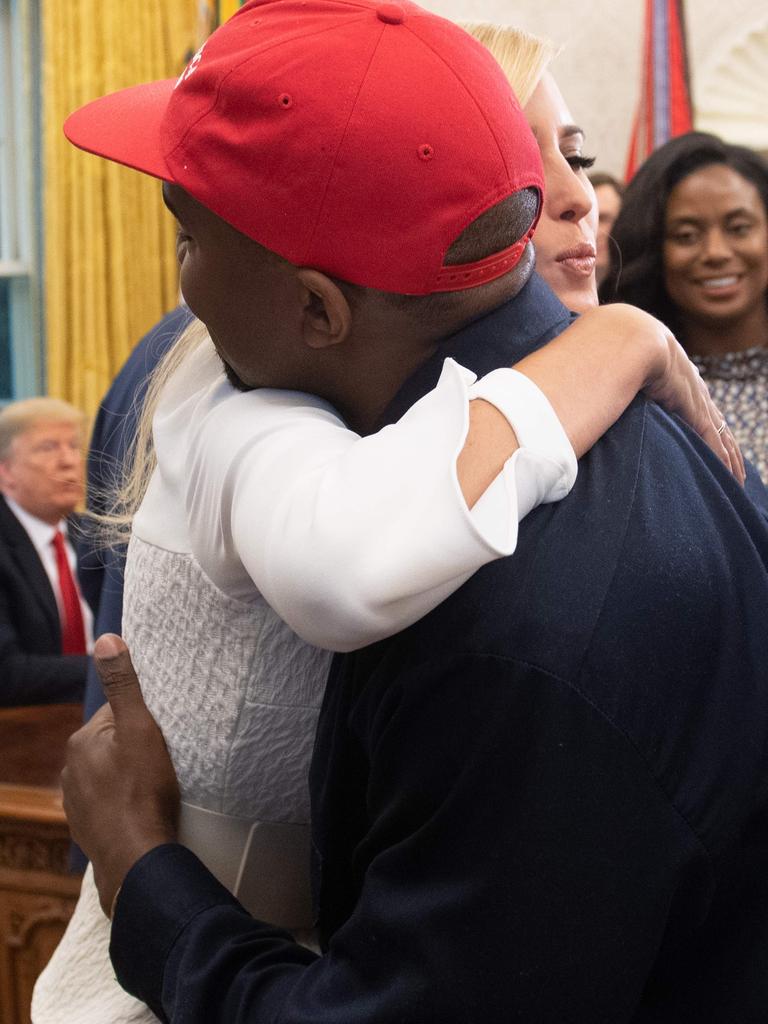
{"type": "Point", "coordinates": [121, 796]}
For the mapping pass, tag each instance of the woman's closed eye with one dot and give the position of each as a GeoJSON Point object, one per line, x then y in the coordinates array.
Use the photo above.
{"type": "Point", "coordinates": [578, 162]}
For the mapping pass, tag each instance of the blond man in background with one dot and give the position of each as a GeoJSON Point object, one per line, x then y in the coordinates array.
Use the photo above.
{"type": "Point", "coordinates": [45, 625]}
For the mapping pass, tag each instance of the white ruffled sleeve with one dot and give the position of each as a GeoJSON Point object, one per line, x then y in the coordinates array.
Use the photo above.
{"type": "Point", "coordinates": [351, 539]}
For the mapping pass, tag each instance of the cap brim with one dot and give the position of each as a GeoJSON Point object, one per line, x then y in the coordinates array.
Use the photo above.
{"type": "Point", "coordinates": [125, 127]}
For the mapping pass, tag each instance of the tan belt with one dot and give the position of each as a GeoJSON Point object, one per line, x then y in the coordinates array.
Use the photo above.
{"type": "Point", "coordinates": [265, 865]}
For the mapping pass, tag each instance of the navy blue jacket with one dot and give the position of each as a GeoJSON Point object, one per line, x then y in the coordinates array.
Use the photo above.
{"type": "Point", "coordinates": [545, 802]}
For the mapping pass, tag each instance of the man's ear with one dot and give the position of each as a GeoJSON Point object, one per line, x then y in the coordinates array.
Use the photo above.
{"type": "Point", "coordinates": [327, 318]}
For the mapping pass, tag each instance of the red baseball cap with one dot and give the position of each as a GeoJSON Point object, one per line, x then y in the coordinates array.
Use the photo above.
{"type": "Point", "coordinates": [355, 137]}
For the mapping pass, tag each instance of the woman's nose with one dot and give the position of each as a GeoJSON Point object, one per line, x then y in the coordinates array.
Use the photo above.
{"type": "Point", "coordinates": [569, 198]}
{"type": "Point", "coordinates": [716, 248]}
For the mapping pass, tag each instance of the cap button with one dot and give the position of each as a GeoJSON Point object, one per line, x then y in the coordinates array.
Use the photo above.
{"type": "Point", "coordinates": [391, 14]}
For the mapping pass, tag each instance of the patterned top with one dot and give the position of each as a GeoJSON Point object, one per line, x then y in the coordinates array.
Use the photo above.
{"type": "Point", "coordinates": [738, 382]}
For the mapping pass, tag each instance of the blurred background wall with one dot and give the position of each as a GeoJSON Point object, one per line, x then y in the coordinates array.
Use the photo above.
{"type": "Point", "coordinates": [85, 271]}
{"type": "Point", "coordinates": [600, 64]}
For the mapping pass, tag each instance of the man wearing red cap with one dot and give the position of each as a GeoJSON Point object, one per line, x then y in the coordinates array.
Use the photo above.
{"type": "Point", "coordinates": [545, 800]}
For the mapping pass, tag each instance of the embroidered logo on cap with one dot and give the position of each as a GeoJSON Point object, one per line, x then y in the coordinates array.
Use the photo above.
{"type": "Point", "coordinates": [191, 67]}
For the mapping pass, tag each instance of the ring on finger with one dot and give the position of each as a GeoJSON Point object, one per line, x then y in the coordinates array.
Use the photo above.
{"type": "Point", "coordinates": [722, 427]}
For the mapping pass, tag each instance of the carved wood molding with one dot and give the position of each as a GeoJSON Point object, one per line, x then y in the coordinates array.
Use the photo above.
{"type": "Point", "coordinates": [730, 87]}
{"type": "Point", "coordinates": [23, 925]}
{"type": "Point", "coordinates": [24, 852]}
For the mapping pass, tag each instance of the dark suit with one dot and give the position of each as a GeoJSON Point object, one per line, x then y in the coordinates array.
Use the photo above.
{"type": "Point", "coordinates": [32, 668]}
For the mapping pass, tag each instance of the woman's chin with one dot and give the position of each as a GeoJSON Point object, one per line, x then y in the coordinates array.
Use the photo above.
{"type": "Point", "coordinates": [577, 292]}
{"type": "Point", "coordinates": [584, 301]}
{"type": "Point", "coordinates": [579, 298]}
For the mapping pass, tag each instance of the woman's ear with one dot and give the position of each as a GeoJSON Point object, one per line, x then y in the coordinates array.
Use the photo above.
{"type": "Point", "coordinates": [327, 318]}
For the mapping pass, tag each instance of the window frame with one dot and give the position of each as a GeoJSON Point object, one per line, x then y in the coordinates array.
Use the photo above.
{"type": "Point", "coordinates": [21, 193]}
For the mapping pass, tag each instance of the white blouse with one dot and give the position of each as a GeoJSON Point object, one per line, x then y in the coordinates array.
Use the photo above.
{"type": "Point", "coordinates": [349, 539]}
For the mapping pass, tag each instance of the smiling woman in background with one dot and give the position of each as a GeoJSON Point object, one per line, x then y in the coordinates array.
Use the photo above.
{"type": "Point", "coordinates": [693, 242]}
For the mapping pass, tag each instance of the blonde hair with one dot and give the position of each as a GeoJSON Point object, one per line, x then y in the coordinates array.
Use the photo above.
{"type": "Point", "coordinates": [133, 477]}
{"type": "Point", "coordinates": [18, 417]}
{"type": "Point", "coordinates": [522, 56]}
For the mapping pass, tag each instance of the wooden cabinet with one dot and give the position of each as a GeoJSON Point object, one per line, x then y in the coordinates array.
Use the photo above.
{"type": "Point", "coordinates": [37, 889]}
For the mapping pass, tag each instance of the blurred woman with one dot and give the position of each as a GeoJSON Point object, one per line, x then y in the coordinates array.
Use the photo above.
{"type": "Point", "coordinates": [692, 249]}
{"type": "Point", "coordinates": [608, 192]}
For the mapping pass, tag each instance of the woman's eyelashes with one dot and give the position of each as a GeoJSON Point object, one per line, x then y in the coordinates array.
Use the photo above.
{"type": "Point", "coordinates": [578, 162]}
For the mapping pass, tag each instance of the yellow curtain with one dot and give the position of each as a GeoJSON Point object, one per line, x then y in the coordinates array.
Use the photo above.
{"type": "Point", "coordinates": [227, 8]}
{"type": "Point", "coordinates": [110, 269]}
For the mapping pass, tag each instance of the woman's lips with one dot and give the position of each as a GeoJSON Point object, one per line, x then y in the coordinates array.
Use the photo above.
{"type": "Point", "coordinates": [579, 259]}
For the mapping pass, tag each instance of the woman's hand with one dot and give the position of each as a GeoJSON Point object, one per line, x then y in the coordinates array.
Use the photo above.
{"type": "Point", "coordinates": [592, 371]}
{"type": "Point", "coordinates": [677, 386]}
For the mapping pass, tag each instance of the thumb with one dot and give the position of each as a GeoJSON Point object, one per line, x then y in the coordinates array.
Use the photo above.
{"type": "Point", "coordinates": [118, 677]}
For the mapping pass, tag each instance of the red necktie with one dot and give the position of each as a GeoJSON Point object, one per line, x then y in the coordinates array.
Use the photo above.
{"type": "Point", "coordinates": [72, 629]}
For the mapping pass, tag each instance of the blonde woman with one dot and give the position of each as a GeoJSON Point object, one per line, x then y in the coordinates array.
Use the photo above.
{"type": "Point", "coordinates": [566, 235]}
{"type": "Point", "coordinates": [266, 523]}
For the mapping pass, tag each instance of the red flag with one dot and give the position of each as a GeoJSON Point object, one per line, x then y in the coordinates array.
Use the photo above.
{"type": "Point", "coordinates": [665, 108]}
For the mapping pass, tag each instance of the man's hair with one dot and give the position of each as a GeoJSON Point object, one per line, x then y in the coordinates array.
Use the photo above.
{"type": "Point", "coordinates": [493, 231]}
{"type": "Point", "coordinates": [636, 274]}
{"type": "Point", "coordinates": [499, 227]}
{"type": "Point", "coordinates": [18, 417]}
{"type": "Point", "coordinates": [522, 57]}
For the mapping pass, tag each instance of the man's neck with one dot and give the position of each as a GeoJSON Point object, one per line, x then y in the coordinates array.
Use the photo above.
{"type": "Point", "coordinates": [395, 339]}
{"type": "Point", "coordinates": [499, 338]}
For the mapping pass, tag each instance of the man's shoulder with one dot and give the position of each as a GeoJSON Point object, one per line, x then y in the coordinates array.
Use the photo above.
{"type": "Point", "coordinates": [541, 604]}
{"type": "Point", "coordinates": [12, 533]}
{"type": "Point", "coordinates": [652, 511]}
{"type": "Point", "coordinates": [643, 593]}
{"type": "Point", "coordinates": [22, 575]}
{"type": "Point", "coordinates": [625, 578]}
